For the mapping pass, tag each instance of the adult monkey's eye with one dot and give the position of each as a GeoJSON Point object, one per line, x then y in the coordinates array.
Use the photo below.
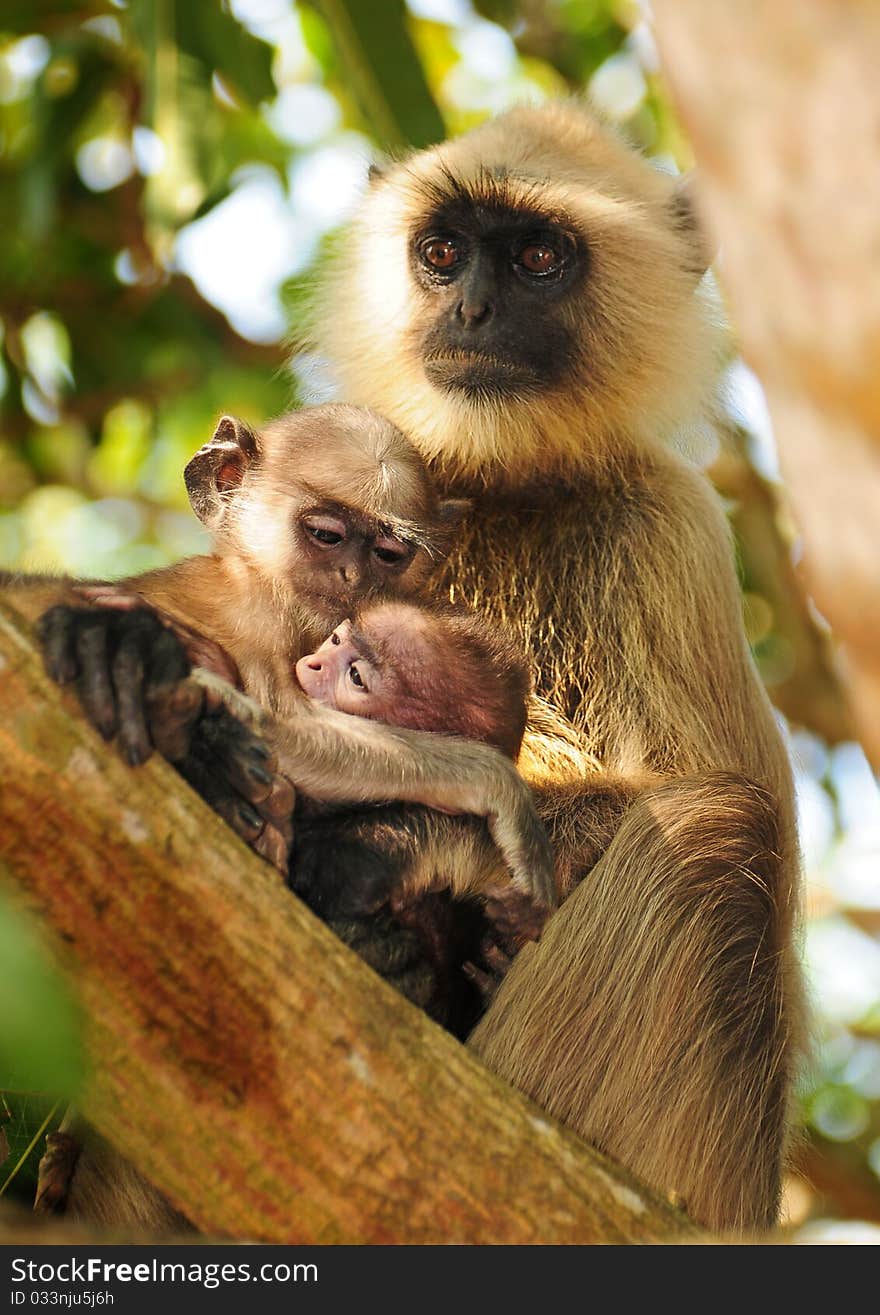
{"type": "Point", "coordinates": [539, 258]}
{"type": "Point", "coordinates": [439, 253]}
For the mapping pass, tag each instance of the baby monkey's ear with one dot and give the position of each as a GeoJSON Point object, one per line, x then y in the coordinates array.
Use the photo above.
{"type": "Point", "coordinates": [218, 467]}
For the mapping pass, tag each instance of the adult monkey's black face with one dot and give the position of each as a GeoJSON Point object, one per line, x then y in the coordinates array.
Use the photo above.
{"type": "Point", "coordinates": [495, 281]}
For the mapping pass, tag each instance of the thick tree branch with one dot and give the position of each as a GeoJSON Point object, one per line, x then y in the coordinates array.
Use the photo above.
{"type": "Point", "coordinates": [782, 104]}
{"type": "Point", "coordinates": [243, 1057]}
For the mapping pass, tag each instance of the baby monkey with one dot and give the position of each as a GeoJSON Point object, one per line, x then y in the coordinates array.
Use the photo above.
{"type": "Point", "coordinates": [444, 670]}
{"type": "Point", "coordinates": [428, 668]}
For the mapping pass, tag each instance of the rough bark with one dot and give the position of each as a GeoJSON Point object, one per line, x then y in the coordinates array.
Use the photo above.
{"type": "Point", "coordinates": [782, 105]}
{"type": "Point", "coordinates": [242, 1057]}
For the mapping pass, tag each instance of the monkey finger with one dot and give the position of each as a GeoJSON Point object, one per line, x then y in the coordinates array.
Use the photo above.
{"type": "Point", "coordinates": [242, 760]}
{"type": "Point", "coordinates": [241, 816]}
{"type": "Point", "coordinates": [56, 633]}
{"type": "Point", "coordinates": [109, 596]}
{"type": "Point", "coordinates": [485, 982]}
{"type": "Point", "coordinates": [94, 682]}
{"type": "Point", "coordinates": [204, 772]}
{"type": "Point", "coordinates": [167, 662]}
{"type": "Point", "coordinates": [274, 846]}
{"type": "Point", "coordinates": [514, 917]}
{"type": "Point", "coordinates": [279, 804]}
{"type": "Point", "coordinates": [128, 670]}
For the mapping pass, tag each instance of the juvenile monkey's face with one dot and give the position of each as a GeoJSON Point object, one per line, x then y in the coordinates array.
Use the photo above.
{"type": "Point", "coordinates": [494, 285]}
{"type": "Point", "coordinates": [340, 556]}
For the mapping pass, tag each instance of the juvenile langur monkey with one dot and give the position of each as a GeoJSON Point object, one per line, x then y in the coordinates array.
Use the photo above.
{"type": "Point", "coordinates": [324, 508]}
{"type": "Point", "coordinates": [524, 302]}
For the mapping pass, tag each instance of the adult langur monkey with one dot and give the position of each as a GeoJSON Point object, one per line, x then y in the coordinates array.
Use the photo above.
{"type": "Point", "coordinates": [524, 303]}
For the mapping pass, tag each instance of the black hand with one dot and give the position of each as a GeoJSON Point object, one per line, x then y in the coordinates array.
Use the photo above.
{"type": "Point", "coordinates": [120, 662]}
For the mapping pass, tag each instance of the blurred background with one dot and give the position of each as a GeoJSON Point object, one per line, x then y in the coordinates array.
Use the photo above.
{"type": "Point", "coordinates": [170, 175]}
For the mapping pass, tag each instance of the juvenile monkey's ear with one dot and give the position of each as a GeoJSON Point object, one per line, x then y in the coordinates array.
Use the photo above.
{"type": "Point", "coordinates": [218, 467]}
{"type": "Point", "coordinates": [377, 170]}
{"type": "Point", "coordinates": [686, 218]}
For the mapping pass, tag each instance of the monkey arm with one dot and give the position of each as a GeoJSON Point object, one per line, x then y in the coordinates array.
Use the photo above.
{"type": "Point", "coordinates": [31, 595]}
{"type": "Point", "coordinates": [351, 864]}
{"type": "Point", "coordinates": [337, 758]}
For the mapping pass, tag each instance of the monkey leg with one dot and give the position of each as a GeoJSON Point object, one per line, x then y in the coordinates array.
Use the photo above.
{"type": "Point", "coordinates": [649, 1017]}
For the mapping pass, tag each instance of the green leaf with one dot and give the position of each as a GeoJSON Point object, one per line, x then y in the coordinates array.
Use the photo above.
{"type": "Point", "coordinates": [39, 1023]}
{"type": "Point", "coordinates": [243, 61]}
{"type": "Point", "coordinates": [378, 57]}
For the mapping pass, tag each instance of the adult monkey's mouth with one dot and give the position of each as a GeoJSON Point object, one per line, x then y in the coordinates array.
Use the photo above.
{"type": "Point", "coordinates": [478, 373]}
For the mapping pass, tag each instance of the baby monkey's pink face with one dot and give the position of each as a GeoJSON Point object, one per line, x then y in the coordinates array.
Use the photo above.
{"type": "Point", "coordinates": [346, 673]}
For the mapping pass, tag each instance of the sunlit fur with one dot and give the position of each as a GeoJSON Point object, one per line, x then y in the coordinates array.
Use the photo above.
{"type": "Point", "coordinates": [660, 1016]}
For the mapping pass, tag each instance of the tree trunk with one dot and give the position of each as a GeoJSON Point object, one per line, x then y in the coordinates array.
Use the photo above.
{"type": "Point", "coordinates": [245, 1059]}
{"type": "Point", "coordinates": [782, 104]}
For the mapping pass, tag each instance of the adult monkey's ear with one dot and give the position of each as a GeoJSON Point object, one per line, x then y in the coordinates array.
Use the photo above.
{"type": "Point", "coordinates": [218, 467]}
{"type": "Point", "coordinates": [451, 513]}
{"type": "Point", "coordinates": [686, 218]}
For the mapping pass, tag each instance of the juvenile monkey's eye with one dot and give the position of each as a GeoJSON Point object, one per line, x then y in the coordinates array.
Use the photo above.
{"type": "Point", "coordinates": [391, 551]}
{"type": "Point", "coordinates": [439, 253]}
{"type": "Point", "coordinates": [538, 258]}
{"type": "Point", "coordinates": [328, 531]}
{"type": "Point", "coordinates": [334, 638]}
{"type": "Point", "coordinates": [391, 556]}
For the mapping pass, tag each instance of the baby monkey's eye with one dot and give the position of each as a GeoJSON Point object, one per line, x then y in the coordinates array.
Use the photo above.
{"type": "Point", "coordinates": [355, 677]}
